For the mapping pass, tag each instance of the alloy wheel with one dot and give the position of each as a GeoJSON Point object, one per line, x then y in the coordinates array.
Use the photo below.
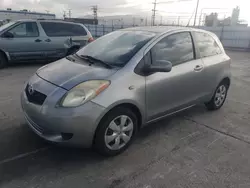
{"type": "Point", "coordinates": [220, 95]}
{"type": "Point", "coordinates": [119, 132]}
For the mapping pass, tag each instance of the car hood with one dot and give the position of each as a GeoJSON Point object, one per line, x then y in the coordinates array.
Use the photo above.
{"type": "Point", "coordinates": [67, 74]}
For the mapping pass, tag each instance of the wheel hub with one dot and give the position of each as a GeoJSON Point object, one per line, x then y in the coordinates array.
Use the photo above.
{"type": "Point", "coordinates": [119, 132]}
{"type": "Point", "coordinates": [220, 95]}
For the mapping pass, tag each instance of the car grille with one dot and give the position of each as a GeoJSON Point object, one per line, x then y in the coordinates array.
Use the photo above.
{"type": "Point", "coordinates": [35, 96]}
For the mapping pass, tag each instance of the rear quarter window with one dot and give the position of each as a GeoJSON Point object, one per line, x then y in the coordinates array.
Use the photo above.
{"type": "Point", "coordinates": [207, 45]}
{"type": "Point", "coordinates": [53, 29]}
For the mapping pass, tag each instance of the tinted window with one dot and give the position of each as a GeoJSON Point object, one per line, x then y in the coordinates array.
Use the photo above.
{"type": "Point", "coordinates": [53, 29]}
{"type": "Point", "coordinates": [5, 26]}
{"type": "Point", "coordinates": [28, 29]}
{"type": "Point", "coordinates": [118, 47]}
{"type": "Point", "coordinates": [207, 45]}
{"type": "Point", "coordinates": [78, 30]}
{"type": "Point", "coordinates": [176, 48]}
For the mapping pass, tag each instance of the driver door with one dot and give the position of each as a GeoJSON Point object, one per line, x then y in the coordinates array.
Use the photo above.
{"type": "Point", "coordinates": [22, 42]}
{"type": "Point", "coordinates": [183, 86]}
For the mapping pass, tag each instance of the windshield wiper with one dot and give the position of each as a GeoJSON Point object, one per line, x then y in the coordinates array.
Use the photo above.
{"type": "Point", "coordinates": [92, 60]}
{"type": "Point", "coordinates": [70, 58]}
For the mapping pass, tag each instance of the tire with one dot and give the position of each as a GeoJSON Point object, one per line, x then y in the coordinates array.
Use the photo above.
{"type": "Point", "coordinates": [106, 138]}
{"type": "Point", "coordinates": [3, 60]}
{"type": "Point", "coordinates": [214, 103]}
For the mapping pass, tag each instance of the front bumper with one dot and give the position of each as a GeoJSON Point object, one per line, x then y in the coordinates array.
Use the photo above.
{"type": "Point", "coordinates": [68, 126]}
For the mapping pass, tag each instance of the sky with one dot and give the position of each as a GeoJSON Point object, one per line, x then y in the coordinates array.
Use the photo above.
{"type": "Point", "coordinates": [80, 8]}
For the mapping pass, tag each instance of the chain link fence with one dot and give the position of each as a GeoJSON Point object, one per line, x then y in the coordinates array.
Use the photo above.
{"type": "Point", "coordinates": [231, 37]}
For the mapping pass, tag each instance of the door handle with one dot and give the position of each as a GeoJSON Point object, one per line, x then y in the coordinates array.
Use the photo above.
{"type": "Point", "coordinates": [198, 67]}
{"type": "Point", "coordinates": [47, 40]}
{"type": "Point", "coordinates": [38, 40]}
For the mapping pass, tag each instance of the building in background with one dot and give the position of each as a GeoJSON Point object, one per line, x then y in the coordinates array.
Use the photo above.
{"type": "Point", "coordinates": [235, 16]}
{"type": "Point", "coordinates": [12, 15]}
{"type": "Point", "coordinates": [82, 20]}
{"type": "Point", "coordinates": [124, 20]}
{"type": "Point", "coordinates": [224, 22]}
{"type": "Point", "coordinates": [213, 21]}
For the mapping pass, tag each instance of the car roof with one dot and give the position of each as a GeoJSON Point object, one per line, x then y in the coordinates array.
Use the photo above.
{"type": "Point", "coordinates": [163, 29]}
{"type": "Point", "coordinates": [47, 20]}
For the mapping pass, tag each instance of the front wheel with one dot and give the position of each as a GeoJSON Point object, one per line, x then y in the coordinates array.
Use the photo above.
{"type": "Point", "coordinates": [116, 131]}
{"type": "Point", "coordinates": [219, 97]}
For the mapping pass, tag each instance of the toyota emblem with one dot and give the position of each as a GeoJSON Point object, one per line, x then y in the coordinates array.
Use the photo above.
{"type": "Point", "coordinates": [31, 89]}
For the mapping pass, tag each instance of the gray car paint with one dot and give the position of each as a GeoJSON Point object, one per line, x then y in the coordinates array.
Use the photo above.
{"type": "Point", "coordinates": [48, 48]}
{"type": "Point", "coordinates": [76, 73]}
{"type": "Point", "coordinates": [81, 121]}
{"type": "Point", "coordinates": [155, 96]}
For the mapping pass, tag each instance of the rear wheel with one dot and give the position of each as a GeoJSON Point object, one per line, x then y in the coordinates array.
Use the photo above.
{"type": "Point", "coordinates": [219, 97]}
{"type": "Point", "coordinates": [116, 131]}
{"type": "Point", "coordinates": [3, 60]}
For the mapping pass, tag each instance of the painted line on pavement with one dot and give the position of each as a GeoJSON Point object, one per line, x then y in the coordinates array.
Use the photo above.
{"type": "Point", "coordinates": [23, 155]}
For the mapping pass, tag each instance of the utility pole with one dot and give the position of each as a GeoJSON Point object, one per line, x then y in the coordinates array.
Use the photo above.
{"type": "Point", "coordinates": [197, 6]}
{"type": "Point", "coordinates": [178, 20]}
{"type": "Point", "coordinates": [64, 14]}
{"type": "Point", "coordinates": [146, 21]}
{"type": "Point", "coordinates": [122, 22]}
{"type": "Point", "coordinates": [69, 13]}
{"type": "Point", "coordinates": [95, 9]}
{"type": "Point", "coordinates": [153, 13]}
{"type": "Point", "coordinates": [161, 20]}
{"type": "Point", "coordinates": [133, 21]}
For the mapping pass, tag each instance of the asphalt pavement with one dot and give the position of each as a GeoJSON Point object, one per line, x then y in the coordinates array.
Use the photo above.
{"type": "Point", "coordinates": [196, 148]}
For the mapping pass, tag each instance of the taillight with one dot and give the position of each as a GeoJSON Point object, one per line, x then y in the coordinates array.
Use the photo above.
{"type": "Point", "coordinates": [91, 39]}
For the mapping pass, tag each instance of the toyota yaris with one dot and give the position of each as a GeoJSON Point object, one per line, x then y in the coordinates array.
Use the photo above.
{"type": "Point", "coordinates": [103, 94]}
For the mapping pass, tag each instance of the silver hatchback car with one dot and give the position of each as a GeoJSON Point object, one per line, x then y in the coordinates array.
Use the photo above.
{"type": "Point", "coordinates": [103, 94]}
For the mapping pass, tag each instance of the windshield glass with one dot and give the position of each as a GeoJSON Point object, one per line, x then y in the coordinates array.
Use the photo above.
{"type": "Point", "coordinates": [118, 47]}
{"type": "Point", "coordinates": [5, 26]}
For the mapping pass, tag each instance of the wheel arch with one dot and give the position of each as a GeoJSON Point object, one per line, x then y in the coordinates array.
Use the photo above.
{"type": "Point", "coordinates": [226, 80]}
{"type": "Point", "coordinates": [128, 105]}
{"type": "Point", "coordinates": [5, 54]}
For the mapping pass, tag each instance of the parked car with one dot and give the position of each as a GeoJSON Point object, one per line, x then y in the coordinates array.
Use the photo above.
{"type": "Point", "coordinates": [102, 95]}
{"type": "Point", "coordinates": [40, 40]}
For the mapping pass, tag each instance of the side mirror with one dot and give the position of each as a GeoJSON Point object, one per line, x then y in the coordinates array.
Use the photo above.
{"type": "Point", "coordinates": [161, 66]}
{"type": "Point", "coordinates": [8, 35]}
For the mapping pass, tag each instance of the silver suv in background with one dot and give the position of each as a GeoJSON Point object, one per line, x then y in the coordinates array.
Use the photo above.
{"type": "Point", "coordinates": [40, 40]}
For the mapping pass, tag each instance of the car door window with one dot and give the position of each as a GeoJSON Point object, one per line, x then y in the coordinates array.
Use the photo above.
{"type": "Point", "coordinates": [53, 29]}
{"type": "Point", "coordinates": [28, 29]}
{"type": "Point", "coordinates": [207, 45]}
{"type": "Point", "coordinates": [176, 48]}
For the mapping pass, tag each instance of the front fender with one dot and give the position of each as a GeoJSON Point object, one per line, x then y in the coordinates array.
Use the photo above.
{"type": "Point", "coordinates": [129, 102]}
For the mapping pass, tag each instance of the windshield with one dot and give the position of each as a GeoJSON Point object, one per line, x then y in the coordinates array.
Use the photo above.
{"type": "Point", "coordinates": [5, 26]}
{"type": "Point", "coordinates": [118, 47]}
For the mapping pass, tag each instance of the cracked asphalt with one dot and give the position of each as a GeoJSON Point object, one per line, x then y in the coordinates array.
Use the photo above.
{"type": "Point", "coordinates": [193, 149]}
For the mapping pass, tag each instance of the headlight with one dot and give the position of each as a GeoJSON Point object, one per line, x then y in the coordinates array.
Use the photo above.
{"type": "Point", "coordinates": [83, 93]}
